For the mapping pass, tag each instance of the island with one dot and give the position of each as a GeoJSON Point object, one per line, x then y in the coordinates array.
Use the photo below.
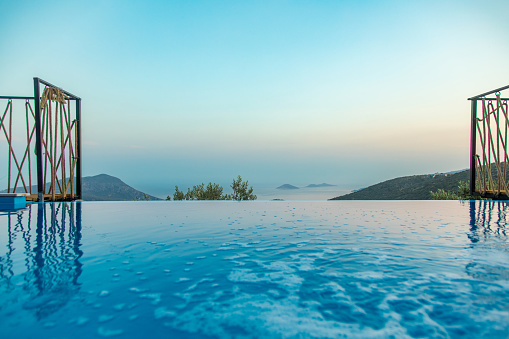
{"type": "Point", "coordinates": [287, 187]}
{"type": "Point", "coordinates": [320, 185]}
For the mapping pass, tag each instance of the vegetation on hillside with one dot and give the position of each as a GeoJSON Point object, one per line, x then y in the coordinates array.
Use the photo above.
{"type": "Point", "coordinates": [462, 193]}
{"type": "Point", "coordinates": [145, 197]}
{"type": "Point", "coordinates": [415, 187]}
{"type": "Point", "coordinates": [241, 191]}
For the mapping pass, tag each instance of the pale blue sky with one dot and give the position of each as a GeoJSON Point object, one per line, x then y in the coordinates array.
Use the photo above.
{"type": "Point", "coordinates": [184, 92]}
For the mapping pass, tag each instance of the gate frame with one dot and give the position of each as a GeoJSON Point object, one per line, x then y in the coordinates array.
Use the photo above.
{"type": "Point", "coordinates": [38, 136]}
{"type": "Point", "coordinates": [473, 142]}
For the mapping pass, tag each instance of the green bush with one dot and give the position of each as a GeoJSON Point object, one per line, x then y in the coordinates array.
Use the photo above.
{"type": "Point", "coordinates": [241, 190]}
{"type": "Point", "coordinates": [212, 191]}
{"type": "Point", "coordinates": [144, 198]}
{"type": "Point", "coordinates": [441, 194]}
{"type": "Point", "coordinates": [461, 193]}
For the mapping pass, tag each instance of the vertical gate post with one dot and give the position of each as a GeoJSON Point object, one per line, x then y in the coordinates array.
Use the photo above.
{"type": "Point", "coordinates": [38, 141]}
{"type": "Point", "coordinates": [473, 144]}
{"type": "Point", "coordinates": [78, 150]}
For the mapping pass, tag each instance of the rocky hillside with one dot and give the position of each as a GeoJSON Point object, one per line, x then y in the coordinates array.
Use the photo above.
{"type": "Point", "coordinates": [415, 187]}
{"type": "Point", "coordinates": [105, 187]}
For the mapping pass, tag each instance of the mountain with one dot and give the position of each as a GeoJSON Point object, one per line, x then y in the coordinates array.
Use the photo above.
{"type": "Point", "coordinates": [287, 187]}
{"type": "Point", "coordinates": [320, 185]}
{"type": "Point", "coordinates": [415, 187]}
{"type": "Point", "coordinates": [105, 187]}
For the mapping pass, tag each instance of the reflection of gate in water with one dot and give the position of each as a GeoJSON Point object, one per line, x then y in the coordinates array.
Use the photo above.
{"type": "Point", "coordinates": [52, 130]}
{"type": "Point", "coordinates": [488, 232]}
{"type": "Point", "coordinates": [41, 265]}
{"type": "Point", "coordinates": [488, 220]}
{"type": "Point", "coordinates": [489, 161]}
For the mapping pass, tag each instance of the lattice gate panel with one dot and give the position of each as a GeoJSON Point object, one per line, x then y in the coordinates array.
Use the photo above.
{"type": "Point", "coordinates": [17, 143]}
{"type": "Point", "coordinates": [58, 135]}
{"type": "Point", "coordinates": [489, 164]}
{"type": "Point", "coordinates": [42, 143]}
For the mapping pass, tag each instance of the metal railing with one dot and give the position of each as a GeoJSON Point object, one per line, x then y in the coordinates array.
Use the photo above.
{"type": "Point", "coordinates": [52, 125]}
{"type": "Point", "coordinates": [489, 161]}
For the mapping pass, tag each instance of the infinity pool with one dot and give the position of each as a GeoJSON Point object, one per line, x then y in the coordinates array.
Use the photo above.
{"type": "Point", "coordinates": [374, 269]}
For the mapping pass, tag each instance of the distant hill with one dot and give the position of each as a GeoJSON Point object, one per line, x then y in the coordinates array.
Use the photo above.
{"type": "Point", "coordinates": [320, 185]}
{"type": "Point", "coordinates": [415, 187]}
{"type": "Point", "coordinates": [105, 187]}
{"type": "Point", "coordinates": [287, 187]}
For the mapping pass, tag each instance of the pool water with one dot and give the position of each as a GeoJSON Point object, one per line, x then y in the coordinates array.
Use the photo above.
{"type": "Point", "coordinates": [377, 269]}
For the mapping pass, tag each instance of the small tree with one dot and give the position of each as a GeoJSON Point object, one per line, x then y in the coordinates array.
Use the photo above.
{"type": "Point", "coordinates": [241, 190]}
{"type": "Point", "coordinates": [178, 195]}
{"type": "Point", "coordinates": [212, 192]}
{"type": "Point", "coordinates": [144, 198]}
{"type": "Point", "coordinates": [200, 192]}
{"type": "Point", "coordinates": [195, 193]}
{"type": "Point", "coordinates": [215, 192]}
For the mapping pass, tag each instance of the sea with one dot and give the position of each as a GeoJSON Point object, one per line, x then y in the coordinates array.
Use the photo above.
{"type": "Point", "coordinates": [273, 193]}
{"type": "Point", "coordinates": [302, 193]}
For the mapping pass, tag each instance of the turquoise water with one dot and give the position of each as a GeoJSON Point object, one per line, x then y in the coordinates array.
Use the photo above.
{"type": "Point", "coordinates": [372, 269]}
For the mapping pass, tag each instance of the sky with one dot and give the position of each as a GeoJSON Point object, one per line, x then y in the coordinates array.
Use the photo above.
{"type": "Point", "coordinates": [183, 92]}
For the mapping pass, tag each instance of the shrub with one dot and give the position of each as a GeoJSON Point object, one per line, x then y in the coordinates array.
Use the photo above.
{"type": "Point", "coordinates": [241, 191]}
{"type": "Point", "coordinates": [462, 193]}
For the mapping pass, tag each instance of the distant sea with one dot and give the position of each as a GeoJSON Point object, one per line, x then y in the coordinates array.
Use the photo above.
{"type": "Point", "coordinates": [271, 193]}
{"type": "Point", "coordinates": [303, 193]}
